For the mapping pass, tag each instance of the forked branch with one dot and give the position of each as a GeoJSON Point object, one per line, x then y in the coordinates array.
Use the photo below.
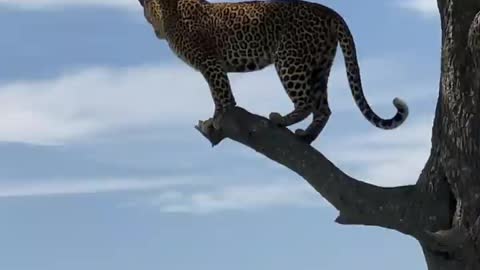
{"type": "Point", "coordinates": [358, 202]}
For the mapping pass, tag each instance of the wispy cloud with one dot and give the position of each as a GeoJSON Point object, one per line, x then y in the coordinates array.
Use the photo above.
{"type": "Point", "coordinates": [95, 100]}
{"type": "Point", "coordinates": [425, 7]}
{"type": "Point", "coordinates": [59, 4]}
{"type": "Point", "coordinates": [385, 158]}
{"type": "Point", "coordinates": [238, 198]}
{"type": "Point", "coordinates": [49, 4]}
{"type": "Point", "coordinates": [51, 188]}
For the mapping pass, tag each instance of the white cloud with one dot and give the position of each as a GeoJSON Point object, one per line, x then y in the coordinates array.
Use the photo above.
{"type": "Point", "coordinates": [425, 7]}
{"type": "Point", "coordinates": [48, 4]}
{"type": "Point", "coordinates": [96, 100]}
{"type": "Point", "coordinates": [86, 103]}
{"type": "Point", "coordinates": [239, 198]}
{"type": "Point", "coordinates": [385, 158]}
{"type": "Point", "coordinates": [51, 188]}
{"type": "Point", "coordinates": [132, 5]}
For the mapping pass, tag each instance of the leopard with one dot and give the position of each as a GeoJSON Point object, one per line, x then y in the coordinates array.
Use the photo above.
{"type": "Point", "coordinates": [299, 38]}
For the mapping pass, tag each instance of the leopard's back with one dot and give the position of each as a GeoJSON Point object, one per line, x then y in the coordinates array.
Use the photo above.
{"type": "Point", "coordinates": [248, 35]}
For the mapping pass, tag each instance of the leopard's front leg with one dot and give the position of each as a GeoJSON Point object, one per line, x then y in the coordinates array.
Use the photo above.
{"type": "Point", "coordinates": [220, 89]}
{"type": "Point", "coordinates": [196, 47]}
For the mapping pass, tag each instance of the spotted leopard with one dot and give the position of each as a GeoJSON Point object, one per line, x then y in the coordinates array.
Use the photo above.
{"type": "Point", "coordinates": [299, 38]}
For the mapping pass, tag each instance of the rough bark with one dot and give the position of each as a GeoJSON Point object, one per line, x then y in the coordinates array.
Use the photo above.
{"type": "Point", "coordinates": [442, 210]}
{"type": "Point", "coordinates": [456, 135]}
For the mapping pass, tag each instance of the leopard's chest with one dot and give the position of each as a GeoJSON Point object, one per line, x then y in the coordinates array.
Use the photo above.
{"type": "Point", "coordinates": [183, 54]}
{"type": "Point", "coordinates": [236, 50]}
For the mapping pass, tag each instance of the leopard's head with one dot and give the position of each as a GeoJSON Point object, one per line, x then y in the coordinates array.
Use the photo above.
{"type": "Point", "coordinates": [153, 11]}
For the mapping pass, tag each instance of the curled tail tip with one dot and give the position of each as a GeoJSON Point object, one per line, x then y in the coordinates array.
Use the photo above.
{"type": "Point", "coordinates": [401, 106]}
{"type": "Point", "coordinates": [402, 113]}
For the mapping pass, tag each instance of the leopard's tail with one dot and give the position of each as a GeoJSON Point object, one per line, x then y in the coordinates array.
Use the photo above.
{"type": "Point", "coordinates": [347, 44]}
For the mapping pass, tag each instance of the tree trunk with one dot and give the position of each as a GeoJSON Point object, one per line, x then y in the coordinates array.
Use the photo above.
{"type": "Point", "coordinates": [442, 210]}
{"type": "Point", "coordinates": [456, 135]}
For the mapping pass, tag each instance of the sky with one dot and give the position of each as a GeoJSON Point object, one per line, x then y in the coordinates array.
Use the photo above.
{"type": "Point", "coordinates": [101, 167]}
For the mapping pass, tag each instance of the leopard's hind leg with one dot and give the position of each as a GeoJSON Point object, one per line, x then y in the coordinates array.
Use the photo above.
{"type": "Point", "coordinates": [319, 86]}
{"type": "Point", "coordinates": [295, 77]}
{"type": "Point", "coordinates": [321, 110]}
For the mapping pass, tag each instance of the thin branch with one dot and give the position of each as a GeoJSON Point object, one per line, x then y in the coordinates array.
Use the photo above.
{"type": "Point", "coordinates": [357, 201]}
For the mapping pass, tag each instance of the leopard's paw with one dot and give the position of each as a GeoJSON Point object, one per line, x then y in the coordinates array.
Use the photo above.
{"type": "Point", "coordinates": [277, 119]}
{"type": "Point", "coordinates": [217, 120]}
{"type": "Point", "coordinates": [305, 136]}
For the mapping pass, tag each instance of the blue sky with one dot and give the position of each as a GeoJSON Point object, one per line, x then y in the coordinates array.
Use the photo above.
{"type": "Point", "coordinates": [101, 168]}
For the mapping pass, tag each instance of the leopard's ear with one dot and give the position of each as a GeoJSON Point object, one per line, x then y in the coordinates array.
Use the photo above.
{"type": "Point", "coordinates": [142, 2]}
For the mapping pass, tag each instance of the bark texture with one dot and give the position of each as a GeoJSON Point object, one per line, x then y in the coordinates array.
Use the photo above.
{"type": "Point", "coordinates": [442, 209]}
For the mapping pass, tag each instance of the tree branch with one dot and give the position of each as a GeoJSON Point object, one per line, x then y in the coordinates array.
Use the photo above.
{"type": "Point", "coordinates": [358, 202]}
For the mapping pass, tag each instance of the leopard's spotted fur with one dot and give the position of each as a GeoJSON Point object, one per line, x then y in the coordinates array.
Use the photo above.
{"type": "Point", "coordinates": [300, 38]}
